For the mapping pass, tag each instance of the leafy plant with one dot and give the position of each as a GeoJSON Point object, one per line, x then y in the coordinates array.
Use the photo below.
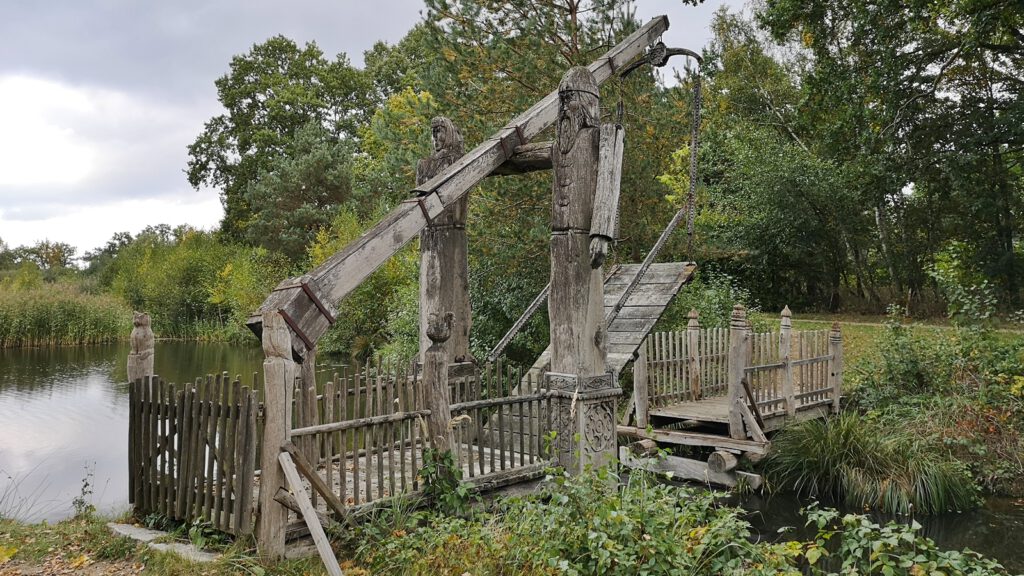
{"type": "Point", "coordinates": [442, 483]}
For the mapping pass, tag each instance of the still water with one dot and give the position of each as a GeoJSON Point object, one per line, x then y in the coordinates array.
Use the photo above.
{"type": "Point", "coordinates": [64, 419]}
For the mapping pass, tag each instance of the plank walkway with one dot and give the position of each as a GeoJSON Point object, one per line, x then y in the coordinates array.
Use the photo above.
{"type": "Point", "coordinates": [641, 312]}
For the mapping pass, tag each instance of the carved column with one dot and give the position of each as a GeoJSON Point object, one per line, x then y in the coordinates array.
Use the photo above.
{"type": "Point", "coordinates": [279, 381]}
{"type": "Point", "coordinates": [585, 394]}
{"type": "Point", "coordinates": [444, 262]}
{"type": "Point", "coordinates": [436, 393]}
{"type": "Point", "coordinates": [739, 358]}
{"type": "Point", "coordinates": [140, 358]}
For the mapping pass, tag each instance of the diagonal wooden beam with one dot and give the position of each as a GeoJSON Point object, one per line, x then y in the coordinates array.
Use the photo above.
{"type": "Point", "coordinates": [308, 303]}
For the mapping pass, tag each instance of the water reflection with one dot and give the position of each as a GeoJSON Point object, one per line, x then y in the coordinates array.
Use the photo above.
{"type": "Point", "coordinates": [993, 530]}
{"type": "Point", "coordinates": [64, 419]}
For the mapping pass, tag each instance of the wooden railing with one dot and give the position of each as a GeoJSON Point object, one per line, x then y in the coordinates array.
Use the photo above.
{"type": "Point", "coordinates": [785, 371]}
{"type": "Point", "coordinates": [192, 451]}
{"type": "Point", "coordinates": [364, 434]}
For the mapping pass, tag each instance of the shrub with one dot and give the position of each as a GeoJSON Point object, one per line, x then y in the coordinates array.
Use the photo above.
{"type": "Point", "coordinates": [857, 460]}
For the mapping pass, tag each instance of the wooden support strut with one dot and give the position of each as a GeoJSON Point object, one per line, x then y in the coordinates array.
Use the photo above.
{"type": "Point", "coordinates": [343, 272]}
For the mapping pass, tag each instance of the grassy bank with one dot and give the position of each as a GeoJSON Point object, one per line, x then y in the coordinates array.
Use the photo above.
{"type": "Point", "coordinates": [928, 407]}
{"type": "Point", "coordinates": [59, 314]}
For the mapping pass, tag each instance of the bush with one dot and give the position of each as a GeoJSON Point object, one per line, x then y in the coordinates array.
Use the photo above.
{"type": "Point", "coordinates": [860, 462]}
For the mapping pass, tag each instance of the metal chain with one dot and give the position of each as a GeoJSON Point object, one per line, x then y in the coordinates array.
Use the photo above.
{"type": "Point", "coordinates": [691, 203]}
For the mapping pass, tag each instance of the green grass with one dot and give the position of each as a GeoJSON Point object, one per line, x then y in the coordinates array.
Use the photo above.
{"type": "Point", "coordinates": [58, 314]}
{"type": "Point", "coordinates": [865, 464]}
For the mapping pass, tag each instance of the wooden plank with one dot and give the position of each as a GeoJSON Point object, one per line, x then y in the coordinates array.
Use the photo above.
{"type": "Point", "coordinates": [754, 427]}
{"type": "Point", "coordinates": [685, 438]}
{"type": "Point", "coordinates": [323, 545]}
{"type": "Point", "coordinates": [244, 524]}
{"type": "Point", "coordinates": [632, 338]}
{"type": "Point", "coordinates": [306, 468]}
{"type": "Point", "coordinates": [659, 273]}
{"type": "Point", "coordinates": [526, 158]}
{"type": "Point", "coordinates": [613, 292]}
{"type": "Point", "coordinates": [640, 325]}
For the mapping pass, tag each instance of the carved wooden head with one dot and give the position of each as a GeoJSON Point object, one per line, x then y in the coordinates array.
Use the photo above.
{"type": "Point", "coordinates": [445, 135]}
{"type": "Point", "coordinates": [140, 320]}
{"type": "Point", "coordinates": [579, 105]}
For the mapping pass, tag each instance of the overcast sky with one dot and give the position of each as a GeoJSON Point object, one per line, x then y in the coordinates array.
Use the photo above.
{"type": "Point", "coordinates": [99, 98]}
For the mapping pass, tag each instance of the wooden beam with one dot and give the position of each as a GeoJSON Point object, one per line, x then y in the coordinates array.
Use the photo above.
{"type": "Point", "coordinates": [526, 158]}
{"type": "Point", "coordinates": [316, 530]}
{"type": "Point", "coordinates": [695, 439]}
{"type": "Point", "coordinates": [317, 482]}
{"type": "Point", "coordinates": [308, 302]}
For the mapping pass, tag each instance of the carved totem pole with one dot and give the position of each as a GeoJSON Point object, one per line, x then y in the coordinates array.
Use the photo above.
{"type": "Point", "coordinates": [581, 231]}
{"type": "Point", "coordinates": [444, 265]}
{"type": "Point", "coordinates": [140, 358]}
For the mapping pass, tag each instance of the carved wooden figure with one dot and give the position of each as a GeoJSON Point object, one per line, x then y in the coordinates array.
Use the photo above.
{"type": "Point", "coordinates": [576, 301]}
{"type": "Point", "coordinates": [436, 394]}
{"type": "Point", "coordinates": [444, 264]}
{"type": "Point", "coordinates": [140, 359]}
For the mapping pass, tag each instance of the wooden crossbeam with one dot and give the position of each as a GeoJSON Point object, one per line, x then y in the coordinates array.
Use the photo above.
{"type": "Point", "coordinates": [308, 303]}
{"type": "Point", "coordinates": [316, 530]}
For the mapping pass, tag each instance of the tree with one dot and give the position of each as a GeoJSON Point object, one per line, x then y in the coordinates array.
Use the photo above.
{"type": "Point", "coordinates": [272, 93]}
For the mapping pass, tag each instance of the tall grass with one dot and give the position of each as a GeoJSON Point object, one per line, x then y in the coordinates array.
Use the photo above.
{"type": "Point", "coordinates": [856, 460]}
{"type": "Point", "coordinates": [56, 314]}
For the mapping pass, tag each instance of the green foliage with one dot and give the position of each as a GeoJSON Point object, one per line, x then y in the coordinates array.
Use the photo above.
{"type": "Point", "coordinates": [865, 463]}
{"type": "Point", "coordinates": [59, 314]}
{"type": "Point", "coordinates": [442, 483]}
{"type": "Point", "coordinates": [853, 544]}
{"type": "Point", "coordinates": [712, 296]}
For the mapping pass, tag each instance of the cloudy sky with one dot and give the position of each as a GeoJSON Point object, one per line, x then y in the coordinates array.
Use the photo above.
{"type": "Point", "coordinates": [99, 98]}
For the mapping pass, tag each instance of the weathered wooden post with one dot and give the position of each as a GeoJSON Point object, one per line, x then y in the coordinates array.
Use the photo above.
{"type": "Point", "coordinates": [582, 226]}
{"type": "Point", "coordinates": [308, 405]}
{"type": "Point", "coordinates": [279, 381]}
{"type": "Point", "coordinates": [739, 358]}
{"type": "Point", "coordinates": [785, 346]}
{"type": "Point", "coordinates": [444, 264]}
{"type": "Point", "coordinates": [835, 363]}
{"type": "Point", "coordinates": [641, 391]}
{"type": "Point", "coordinates": [140, 358]}
{"type": "Point", "coordinates": [436, 393]}
{"type": "Point", "coordinates": [693, 354]}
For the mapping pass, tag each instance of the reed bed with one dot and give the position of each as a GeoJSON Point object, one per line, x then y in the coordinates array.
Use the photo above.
{"type": "Point", "coordinates": [861, 462]}
{"type": "Point", "coordinates": [59, 314]}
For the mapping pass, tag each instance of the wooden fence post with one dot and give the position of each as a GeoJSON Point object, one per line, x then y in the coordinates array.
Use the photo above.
{"type": "Point", "coordinates": [693, 354]}
{"type": "Point", "coordinates": [785, 344]}
{"type": "Point", "coordinates": [739, 356]}
{"type": "Point", "coordinates": [308, 405]}
{"type": "Point", "coordinates": [640, 389]}
{"type": "Point", "coordinates": [835, 345]}
{"type": "Point", "coordinates": [279, 380]}
{"type": "Point", "coordinates": [140, 359]}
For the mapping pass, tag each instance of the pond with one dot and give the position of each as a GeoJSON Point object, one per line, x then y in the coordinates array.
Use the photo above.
{"type": "Point", "coordinates": [64, 420]}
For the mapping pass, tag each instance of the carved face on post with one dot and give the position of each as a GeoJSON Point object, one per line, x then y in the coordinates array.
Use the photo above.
{"type": "Point", "coordinates": [578, 106]}
{"type": "Point", "coordinates": [445, 135]}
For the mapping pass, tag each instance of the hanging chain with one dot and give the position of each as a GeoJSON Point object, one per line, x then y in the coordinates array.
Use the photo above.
{"type": "Point", "coordinates": [691, 204]}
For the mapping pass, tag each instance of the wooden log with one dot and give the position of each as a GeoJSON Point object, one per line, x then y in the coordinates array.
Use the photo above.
{"type": "Point", "coordinates": [279, 378]}
{"type": "Point", "coordinates": [722, 461]}
{"type": "Point", "coordinates": [687, 469]}
{"type": "Point", "coordinates": [343, 272]}
{"type": "Point", "coordinates": [645, 447]}
{"type": "Point", "coordinates": [140, 358]}
{"type": "Point", "coordinates": [739, 358]}
{"type": "Point", "coordinates": [641, 393]}
{"type": "Point", "coordinates": [316, 530]}
{"type": "Point", "coordinates": [526, 158]}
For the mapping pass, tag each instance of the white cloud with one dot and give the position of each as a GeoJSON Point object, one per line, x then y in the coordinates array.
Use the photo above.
{"type": "Point", "coordinates": [38, 144]}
